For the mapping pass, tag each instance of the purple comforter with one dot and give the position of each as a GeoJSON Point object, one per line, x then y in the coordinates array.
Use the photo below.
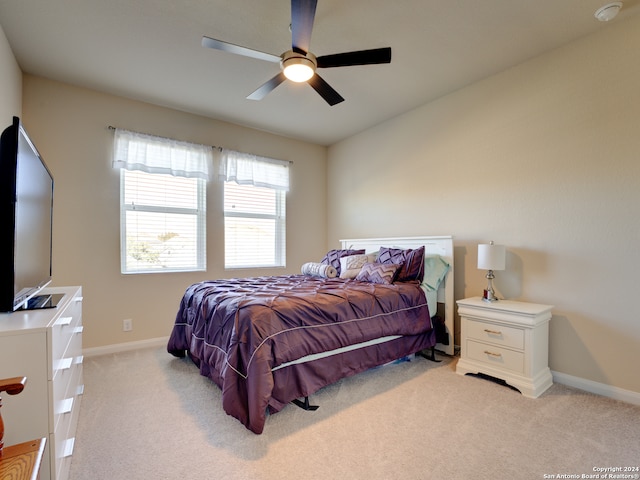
{"type": "Point", "coordinates": [236, 331]}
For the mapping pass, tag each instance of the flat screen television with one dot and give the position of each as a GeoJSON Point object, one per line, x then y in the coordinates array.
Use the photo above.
{"type": "Point", "coordinates": [26, 217]}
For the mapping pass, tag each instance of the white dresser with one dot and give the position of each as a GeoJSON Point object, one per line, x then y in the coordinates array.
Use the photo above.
{"type": "Point", "coordinates": [46, 347]}
{"type": "Point", "coordinates": [507, 340]}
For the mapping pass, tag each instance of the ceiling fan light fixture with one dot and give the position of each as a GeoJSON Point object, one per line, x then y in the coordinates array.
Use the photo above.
{"type": "Point", "coordinates": [298, 72]}
{"type": "Point", "coordinates": [297, 67]}
{"type": "Point", "coordinates": [608, 11]}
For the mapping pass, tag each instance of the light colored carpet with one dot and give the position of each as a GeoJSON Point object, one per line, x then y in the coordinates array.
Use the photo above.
{"type": "Point", "coordinates": [148, 415]}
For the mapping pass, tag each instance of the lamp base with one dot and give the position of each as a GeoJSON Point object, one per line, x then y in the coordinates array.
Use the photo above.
{"type": "Point", "coordinates": [489, 296]}
{"type": "Point", "coordinates": [489, 293]}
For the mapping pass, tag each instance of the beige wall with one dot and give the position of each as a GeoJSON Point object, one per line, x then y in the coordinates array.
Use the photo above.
{"type": "Point", "coordinates": [10, 84]}
{"type": "Point", "coordinates": [69, 126]}
{"type": "Point", "coordinates": [544, 158]}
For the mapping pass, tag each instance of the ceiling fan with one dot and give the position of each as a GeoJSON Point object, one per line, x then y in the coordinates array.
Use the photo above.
{"type": "Point", "coordinates": [299, 64]}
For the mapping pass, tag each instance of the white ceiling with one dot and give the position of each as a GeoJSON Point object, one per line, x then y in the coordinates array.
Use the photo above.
{"type": "Point", "coordinates": [151, 50]}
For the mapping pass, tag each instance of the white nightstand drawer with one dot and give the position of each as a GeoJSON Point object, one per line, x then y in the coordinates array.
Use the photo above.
{"type": "Point", "coordinates": [494, 333]}
{"type": "Point", "coordinates": [495, 356]}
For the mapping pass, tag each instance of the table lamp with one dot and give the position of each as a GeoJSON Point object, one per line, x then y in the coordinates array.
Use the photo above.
{"type": "Point", "coordinates": [490, 257]}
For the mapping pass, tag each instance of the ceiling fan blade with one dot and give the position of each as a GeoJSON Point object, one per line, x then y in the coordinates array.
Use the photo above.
{"type": "Point", "coordinates": [303, 13]}
{"type": "Point", "coordinates": [267, 87]}
{"type": "Point", "coordinates": [325, 90]}
{"type": "Point", "coordinates": [238, 50]}
{"type": "Point", "coordinates": [362, 57]}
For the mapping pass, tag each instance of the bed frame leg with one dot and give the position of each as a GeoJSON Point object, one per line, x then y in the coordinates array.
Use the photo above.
{"type": "Point", "coordinates": [429, 356]}
{"type": "Point", "coordinates": [305, 404]}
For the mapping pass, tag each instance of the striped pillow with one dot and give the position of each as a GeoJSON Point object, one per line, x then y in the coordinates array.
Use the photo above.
{"type": "Point", "coordinates": [412, 262]}
{"type": "Point", "coordinates": [318, 270]}
{"type": "Point", "coordinates": [383, 273]}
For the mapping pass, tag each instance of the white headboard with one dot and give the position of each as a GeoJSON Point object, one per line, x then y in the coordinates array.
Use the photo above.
{"type": "Point", "coordinates": [443, 246]}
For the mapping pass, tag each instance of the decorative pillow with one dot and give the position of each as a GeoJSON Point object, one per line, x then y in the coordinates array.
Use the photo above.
{"type": "Point", "coordinates": [412, 262]}
{"type": "Point", "coordinates": [319, 270]}
{"type": "Point", "coordinates": [378, 272]}
{"type": "Point", "coordinates": [435, 269]}
{"type": "Point", "coordinates": [350, 265]}
{"type": "Point", "coordinates": [333, 257]}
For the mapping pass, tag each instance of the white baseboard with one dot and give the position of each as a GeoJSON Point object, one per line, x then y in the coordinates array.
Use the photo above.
{"type": "Point", "coordinates": [597, 388]}
{"type": "Point", "coordinates": [124, 347]}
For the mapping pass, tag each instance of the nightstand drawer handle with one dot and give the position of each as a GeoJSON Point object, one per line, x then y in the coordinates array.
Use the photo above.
{"type": "Point", "coordinates": [492, 354]}
{"type": "Point", "coordinates": [493, 332]}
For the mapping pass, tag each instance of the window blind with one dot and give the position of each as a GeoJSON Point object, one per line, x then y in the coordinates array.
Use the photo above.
{"type": "Point", "coordinates": [162, 205]}
{"type": "Point", "coordinates": [254, 209]}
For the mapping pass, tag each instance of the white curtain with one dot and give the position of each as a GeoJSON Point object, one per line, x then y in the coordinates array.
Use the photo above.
{"type": "Point", "coordinates": [151, 154]}
{"type": "Point", "coordinates": [248, 169]}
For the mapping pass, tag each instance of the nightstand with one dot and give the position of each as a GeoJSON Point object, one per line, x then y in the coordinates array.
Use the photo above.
{"type": "Point", "coordinates": [506, 340]}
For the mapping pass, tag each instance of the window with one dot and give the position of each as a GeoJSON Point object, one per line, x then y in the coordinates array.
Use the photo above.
{"type": "Point", "coordinates": [162, 203]}
{"type": "Point", "coordinates": [254, 226]}
{"type": "Point", "coordinates": [254, 210]}
{"type": "Point", "coordinates": [162, 222]}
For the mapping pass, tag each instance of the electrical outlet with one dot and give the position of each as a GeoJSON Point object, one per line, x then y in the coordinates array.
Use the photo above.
{"type": "Point", "coordinates": [127, 325]}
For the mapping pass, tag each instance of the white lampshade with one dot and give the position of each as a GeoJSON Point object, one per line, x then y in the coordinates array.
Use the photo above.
{"type": "Point", "coordinates": [491, 257]}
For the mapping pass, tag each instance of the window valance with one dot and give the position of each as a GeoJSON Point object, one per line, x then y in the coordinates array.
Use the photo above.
{"type": "Point", "coordinates": [152, 154]}
{"type": "Point", "coordinates": [249, 169]}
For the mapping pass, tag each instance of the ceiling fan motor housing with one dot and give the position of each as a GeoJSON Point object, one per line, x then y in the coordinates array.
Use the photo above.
{"type": "Point", "coordinates": [298, 67]}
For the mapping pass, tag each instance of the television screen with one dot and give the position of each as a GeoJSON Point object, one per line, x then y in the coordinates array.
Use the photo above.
{"type": "Point", "coordinates": [26, 211]}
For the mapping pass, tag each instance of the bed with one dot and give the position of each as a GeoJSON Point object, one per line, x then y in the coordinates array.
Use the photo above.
{"type": "Point", "coordinates": [270, 341]}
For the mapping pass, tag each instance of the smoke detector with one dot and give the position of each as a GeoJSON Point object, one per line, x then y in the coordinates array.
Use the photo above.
{"type": "Point", "coordinates": [608, 11]}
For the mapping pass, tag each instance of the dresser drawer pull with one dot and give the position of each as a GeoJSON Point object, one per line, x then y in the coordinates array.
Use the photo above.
{"type": "Point", "coordinates": [492, 354]}
{"type": "Point", "coordinates": [78, 329]}
{"type": "Point", "coordinates": [64, 321]}
{"type": "Point", "coordinates": [77, 299]}
{"type": "Point", "coordinates": [493, 332]}
{"type": "Point", "coordinates": [66, 405]}
{"type": "Point", "coordinates": [67, 450]}
{"type": "Point", "coordinates": [65, 363]}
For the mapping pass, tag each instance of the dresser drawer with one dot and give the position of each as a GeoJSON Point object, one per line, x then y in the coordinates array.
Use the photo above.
{"type": "Point", "coordinates": [64, 388]}
{"type": "Point", "coordinates": [64, 329]}
{"type": "Point", "coordinates": [66, 420]}
{"type": "Point", "coordinates": [496, 334]}
{"type": "Point", "coordinates": [496, 357]}
{"type": "Point", "coordinates": [61, 334]}
{"type": "Point", "coordinates": [64, 441]}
